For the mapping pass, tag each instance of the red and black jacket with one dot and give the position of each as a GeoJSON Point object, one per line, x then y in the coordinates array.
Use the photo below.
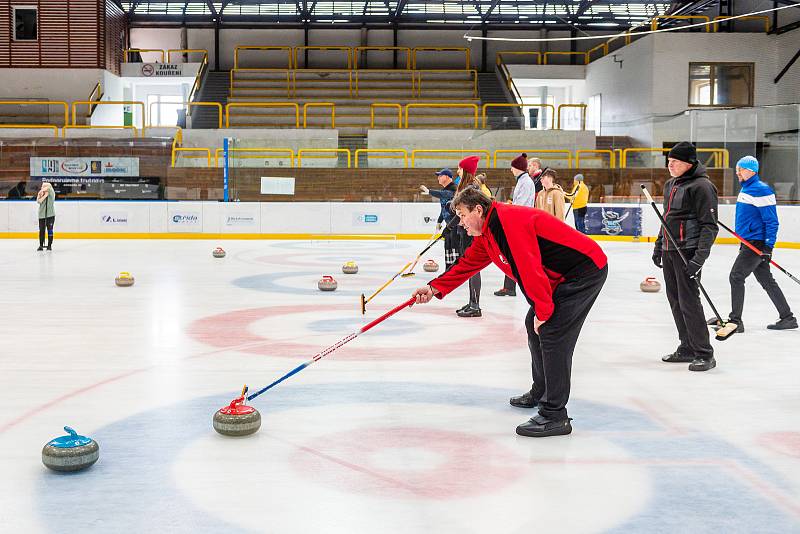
{"type": "Point", "coordinates": [532, 247]}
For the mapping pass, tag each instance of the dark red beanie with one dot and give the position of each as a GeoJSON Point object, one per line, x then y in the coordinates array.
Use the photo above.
{"type": "Point", "coordinates": [470, 164]}
{"type": "Point", "coordinates": [520, 163]}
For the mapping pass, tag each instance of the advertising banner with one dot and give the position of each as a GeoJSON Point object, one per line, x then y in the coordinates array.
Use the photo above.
{"type": "Point", "coordinates": [614, 220]}
{"type": "Point", "coordinates": [57, 167]}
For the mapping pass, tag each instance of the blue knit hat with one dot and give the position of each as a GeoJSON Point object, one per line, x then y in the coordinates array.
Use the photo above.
{"type": "Point", "coordinates": [748, 162]}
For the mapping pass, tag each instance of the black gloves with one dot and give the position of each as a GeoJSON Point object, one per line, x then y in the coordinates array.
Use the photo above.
{"type": "Point", "coordinates": [766, 254]}
{"type": "Point", "coordinates": [693, 269]}
{"type": "Point", "coordinates": [657, 258]}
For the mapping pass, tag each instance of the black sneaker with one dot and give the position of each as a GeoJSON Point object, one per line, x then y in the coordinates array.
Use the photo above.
{"type": "Point", "coordinates": [462, 308]}
{"type": "Point", "coordinates": [540, 427]}
{"type": "Point", "coordinates": [505, 293]}
{"type": "Point", "coordinates": [699, 364]}
{"type": "Point", "coordinates": [787, 323]}
{"type": "Point", "coordinates": [713, 321]}
{"type": "Point", "coordinates": [40, 249]}
{"type": "Point", "coordinates": [49, 247]}
{"type": "Point", "coordinates": [525, 400]}
{"type": "Point", "coordinates": [469, 311]}
{"type": "Point", "coordinates": [678, 357]}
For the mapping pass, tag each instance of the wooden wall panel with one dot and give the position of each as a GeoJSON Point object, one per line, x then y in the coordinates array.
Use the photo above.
{"type": "Point", "coordinates": [116, 28]}
{"type": "Point", "coordinates": [5, 33]}
{"type": "Point", "coordinates": [84, 30]}
{"type": "Point", "coordinates": [54, 33]}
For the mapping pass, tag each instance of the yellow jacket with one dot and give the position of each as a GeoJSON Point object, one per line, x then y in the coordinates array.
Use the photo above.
{"type": "Point", "coordinates": [579, 196]}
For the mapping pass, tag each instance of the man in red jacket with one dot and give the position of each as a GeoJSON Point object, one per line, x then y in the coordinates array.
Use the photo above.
{"type": "Point", "coordinates": [559, 270]}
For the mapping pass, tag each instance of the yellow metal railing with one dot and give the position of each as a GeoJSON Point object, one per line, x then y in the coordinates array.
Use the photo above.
{"type": "Point", "coordinates": [601, 46]}
{"type": "Point", "coordinates": [473, 107]}
{"type": "Point", "coordinates": [61, 103]}
{"type": "Point", "coordinates": [473, 78]}
{"type": "Point", "coordinates": [95, 96]}
{"type": "Point", "coordinates": [319, 104]}
{"type": "Point", "coordinates": [254, 150]}
{"type": "Point", "coordinates": [372, 108]}
{"type": "Point", "coordinates": [90, 103]}
{"type": "Point", "coordinates": [347, 49]}
{"type": "Point", "coordinates": [415, 154]}
{"type": "Point", "coordinates": [411, 74]}
{"type": "Point", "coordinates": [32, 127]}
{"type": "Point", "coordinates": [291, 105]}
{"type": "Point", "coordinates": [134, 129]}
{"type": "Point", "coordinates": [612, 160]}
{"type": "Point", "coordinates": [188, 51]}
{"type": "Point", "coordinates": [723, 18]}
{"type": "Point", "coordinates": [365, 49]}
{"type": "Point", "coordinates": [418, 49]}
{"type": "Point", "coordinates": [721, 156]}
{"type": "Point", "coordinates": [654, 23]}
{"type": "Point", "coordinates": [498, 57]}
{"type": "Point", "coordinates": [551, 54]}
{"type": "Point", "coordinates": [551, 107]}
{"type": "Point", "coordinates": [179, 150]}
{"type": "Point", "coordinates": [145, 51]}
{"type": "Point", "coordinates": [287, 49]}
{"type": "Point", "coordinates": [333, 151]}
{"type": "Point", "coordinates": [582, 107]}
{"type": "Point", "coordinates": [373, 153]}
{"type": "Point", "coordinates": [567, 155]}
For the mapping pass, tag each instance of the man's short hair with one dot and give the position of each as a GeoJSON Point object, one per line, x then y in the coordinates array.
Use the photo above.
{"type": "Point", "coordinates": [550, 172]}
{"type": "Point", "coordinates": [535, 160]}
{"type": "Point", "coordinates": [470, 197]}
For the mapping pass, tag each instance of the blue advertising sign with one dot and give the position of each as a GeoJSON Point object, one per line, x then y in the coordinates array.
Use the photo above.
{"type": "Point", "coordinates": [614, 220]}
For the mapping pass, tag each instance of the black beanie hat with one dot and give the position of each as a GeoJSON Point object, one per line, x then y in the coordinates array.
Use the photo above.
{"type": "Point", "coordinates": [684, 151]}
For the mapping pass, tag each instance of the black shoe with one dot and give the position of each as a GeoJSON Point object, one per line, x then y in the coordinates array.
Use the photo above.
{"type": "Point", "coordinates": [678, 357]}
{"type": "Point", "coordinates": [469, 311]}
{"type": "Point", "coordinates": [49, 247]}
{"type": "Point", "coordinates": [540, 427]}
{"type": "Point", "coordinates": [505, 293]}
{"type": "Point", "coordinates": [787, 323]}
{"type": "Point", "coordinates": [40, 249]}
{"type": "Point", "coordinates": [462, 308]}
{"type": "Point", "coordinates": [713, 321]}
{"type": "Point", "coordinates": [700, 364]}
{"type": "Point", "coordinates": [525, 400]}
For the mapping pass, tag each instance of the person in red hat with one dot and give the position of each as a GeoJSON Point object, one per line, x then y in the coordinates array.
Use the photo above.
{"type": "Point", "coordinates": [560, 272]}
{"type": "Point", "coordinates": [467, 168]}
{"type": "Point", "coordinates": [524, 195]}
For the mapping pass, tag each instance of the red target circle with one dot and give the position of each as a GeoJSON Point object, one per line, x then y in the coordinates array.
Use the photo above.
{"type": "Point", "coordinates": [232, 331]}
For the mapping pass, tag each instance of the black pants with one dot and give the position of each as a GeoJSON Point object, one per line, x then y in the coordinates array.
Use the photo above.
{"type": "Point", "coordinates": [683, 295]}
{"type": "Point", "coordinates": [474, 282]}
{"type": "Point", "coordinates": [749, 262]}
{"type": "Point", "coordinates": [48, 223]}
{"type": "Point", "coordinates": [552, 348]}
{"type": "Point", "coordinates": [451, 246]}
{"type": "Point", "coordinates": [509, 284]}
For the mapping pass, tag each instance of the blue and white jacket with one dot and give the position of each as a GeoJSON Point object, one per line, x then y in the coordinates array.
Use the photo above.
{"type": "Point", "coordinates": [756, 212]}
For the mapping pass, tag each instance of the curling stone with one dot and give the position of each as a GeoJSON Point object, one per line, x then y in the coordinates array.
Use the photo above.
{"type": "Point", "coordinates": [327, 283]}
{"type": "Point", "coordinates": [650, 285]}
{"type": "Point", "coordinates": [124, 279]}
{"type": "Point", "coordinates": [350, 268]}
{"type": "Point", "coordinates": [430, 266]}
{"type": "Point", "coordinates": [72, 452]}
{"type": "Point", "coordinates": [237, 419]}
{"type": "Point", "coordinates": [218, 252]}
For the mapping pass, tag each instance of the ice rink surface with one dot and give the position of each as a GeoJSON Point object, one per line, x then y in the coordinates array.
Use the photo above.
{"type": "Point", "coordinates": [406, 429]}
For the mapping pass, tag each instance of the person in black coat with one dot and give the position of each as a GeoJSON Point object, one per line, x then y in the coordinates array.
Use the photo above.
{"type": "Point", "coordinates": [690, 212]}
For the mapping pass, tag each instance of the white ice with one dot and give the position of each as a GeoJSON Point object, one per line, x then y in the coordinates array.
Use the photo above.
{"type": "Point", "coordinates": [405, 429]}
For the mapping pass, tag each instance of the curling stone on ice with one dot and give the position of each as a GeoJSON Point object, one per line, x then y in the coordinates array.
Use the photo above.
{"type": "Point", "coordinates": [72, 452]}
{"type": "Point", "coordinates": [650, 285]}
{"type": "Point", "coordinates": [124, 279]}
{"type": "Point", "coordinates": [237, 419]}
{"type": "Point", "coordinates": [350, 268]}
{"type": "Point", "coordinates": [218, 252]}
{"type": "Point", "coordinates": [327, 283]}
{"type": "Point", "coordinates": [430, 266]}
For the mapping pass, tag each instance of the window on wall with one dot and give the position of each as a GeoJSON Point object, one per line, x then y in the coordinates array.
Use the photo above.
{"type": "Point", "coordinates": [26, 23]}
{"type": "Point", "coordinates": [720, 84]}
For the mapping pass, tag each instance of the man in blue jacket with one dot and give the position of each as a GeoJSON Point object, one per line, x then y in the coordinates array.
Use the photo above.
{"type": "Point", "coordinates": [445, 195]}
{"type": "Point", "coordinates": [757, 222]}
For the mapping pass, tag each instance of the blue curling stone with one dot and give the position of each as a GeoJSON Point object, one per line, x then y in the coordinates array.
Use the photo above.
{"type": "Point", "coordinates": [72, 452]}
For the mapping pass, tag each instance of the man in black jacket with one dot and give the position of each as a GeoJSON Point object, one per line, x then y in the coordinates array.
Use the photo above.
{"type": "Point", "coordinates": [690, 211]}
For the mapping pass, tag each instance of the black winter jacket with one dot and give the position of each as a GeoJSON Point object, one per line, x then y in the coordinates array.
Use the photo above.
{"type": "Point", "coordinates": [690, 210]}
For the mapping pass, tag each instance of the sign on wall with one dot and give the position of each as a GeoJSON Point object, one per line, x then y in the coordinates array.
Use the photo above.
{"type": "Point", "coordinates": [159, 70]}
{"type": "Point", "coordinates": [614, 220]}
{"type": "Point", "coordinates": [85, 166]}
{"type": "Point", "coordinates": [277, 185]}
